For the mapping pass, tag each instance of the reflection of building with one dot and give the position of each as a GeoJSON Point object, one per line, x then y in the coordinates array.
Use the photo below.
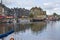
{"type": "Point", "coordinates": [35, 27]}
{"type": "Point", "coordinates": [38, 13]}
{"type": "Point", "coordinates": [4, 28]}
{"type": "Point", "coordinates": [38, 26]}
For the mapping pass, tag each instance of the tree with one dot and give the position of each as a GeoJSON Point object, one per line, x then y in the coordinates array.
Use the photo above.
{"type": "Point", "coordinates": [55, 14]}
{"type": "Point", "coordinates": [31, 15]}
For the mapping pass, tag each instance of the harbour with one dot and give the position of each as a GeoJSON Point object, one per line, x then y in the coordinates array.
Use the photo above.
{"type": "Point", "coordinates": [29, 20]}
{"type": "Point", "coordinates": [36, 31]}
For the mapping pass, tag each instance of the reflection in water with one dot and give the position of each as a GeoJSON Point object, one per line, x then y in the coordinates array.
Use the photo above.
{"type": "Point", "coordinates": [35, 27]}
{"type": "Point", "coordinates": [38, 27]}
{"type": "Point", "coordinates": [4, 28]}
{"type": "Point", "coordinates": [45, 30]}
{"type": "Point", "coordinates": [22, 27]}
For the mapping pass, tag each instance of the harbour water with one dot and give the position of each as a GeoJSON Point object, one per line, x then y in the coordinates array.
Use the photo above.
{"type": "Point", "coordinates": [33, 31]}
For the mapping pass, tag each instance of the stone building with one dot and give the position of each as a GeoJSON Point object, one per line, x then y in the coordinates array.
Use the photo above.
{"type": "Point", "coordinates": [38, 13]}
{"type": "Point", "coordinates": [4, 10]}
{"type": "Point", "coordinates": [1, 9]}
{"type": "Point", "coordinates": [19, 12]}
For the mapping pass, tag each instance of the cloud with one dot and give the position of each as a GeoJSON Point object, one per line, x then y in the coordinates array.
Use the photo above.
{"type": "Point", "coordinates": [56, 9]}
{"type": "Point", "coordinates": [9, 3]}
{"type": "Point", "coordinates": [49, 5]}
{"type": "Point", "coordinates": [52, 7]}
{"type": "Point", "coordinates": [20, 3]}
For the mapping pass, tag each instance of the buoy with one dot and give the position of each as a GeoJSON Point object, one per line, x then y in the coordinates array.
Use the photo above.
{"type": "Point", "coordinates": [11, 38]}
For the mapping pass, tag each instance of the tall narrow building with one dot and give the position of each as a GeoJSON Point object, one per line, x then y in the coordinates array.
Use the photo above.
{"type": "Point", "coordinates": [1, 8]}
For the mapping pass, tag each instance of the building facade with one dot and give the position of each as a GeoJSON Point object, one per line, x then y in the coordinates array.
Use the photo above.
{"type": "Point", "coordinates": [5, 10]}
{"type": "Point", "coordinates": [20, 12]}
{"type": "Point", "coordinates": [38, 13]}
{"type": "Point", "coordinates": [1, 9]}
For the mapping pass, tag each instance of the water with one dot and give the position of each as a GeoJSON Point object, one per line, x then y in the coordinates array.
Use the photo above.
{"type": "Point", "coordinates": [35, 31]}
{"type": "Point", "coordinates": [5, 27]}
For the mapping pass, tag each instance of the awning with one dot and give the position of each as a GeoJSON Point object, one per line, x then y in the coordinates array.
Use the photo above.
{"type": "Point", "coordinates": [2, 17]}
{"type": "Point", "coordinates": [9, 16]}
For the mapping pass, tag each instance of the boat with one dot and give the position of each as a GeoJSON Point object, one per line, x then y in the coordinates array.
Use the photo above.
{"type": "Point", "coordinates": [37, 20]}
{"type": "Point", "coordinates": [6, 34]}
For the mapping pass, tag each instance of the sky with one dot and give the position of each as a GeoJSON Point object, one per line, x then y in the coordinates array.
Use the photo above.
{"type": "Point", "coordinates": [50, 6]}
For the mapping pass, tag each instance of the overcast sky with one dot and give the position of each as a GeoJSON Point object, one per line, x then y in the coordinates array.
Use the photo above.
{"type": "Point", "coordinates": [49, 5]}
